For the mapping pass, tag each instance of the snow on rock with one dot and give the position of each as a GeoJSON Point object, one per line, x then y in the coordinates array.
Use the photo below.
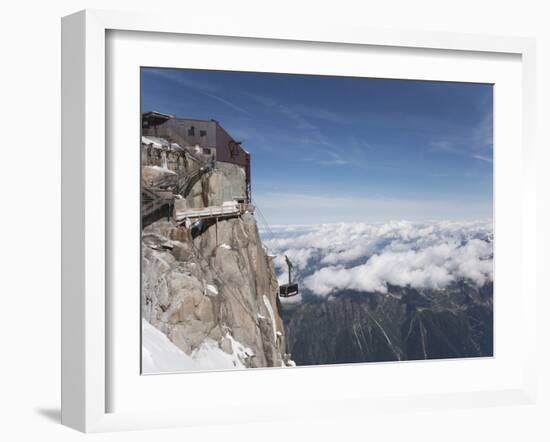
{"type": "Point", "coordinates": [238, 350]}
{"type": "Point", "coordinates": [211, 289]}
{"type": "Point", "coordinates": [155, 142]}
{"type": "Point", "coordinates": [162, 169]}
{"type": "Point", "coordinates": [160, 355]}
{"type": "Point", "coordinates": [271, 316]}
{"type": "Point", "coordinates": [158, 176]}
{"type": "Point", "coordinates": [225, 246]}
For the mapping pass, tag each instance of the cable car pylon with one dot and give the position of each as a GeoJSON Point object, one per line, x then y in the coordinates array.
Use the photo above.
{"type": "Point", "coordinates": [285, 290]}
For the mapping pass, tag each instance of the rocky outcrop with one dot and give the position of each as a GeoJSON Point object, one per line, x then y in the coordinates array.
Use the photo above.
{"type": "Point", "coordinates": [219, 287]}
{"type": "Point", "coordinates": [403, 324]}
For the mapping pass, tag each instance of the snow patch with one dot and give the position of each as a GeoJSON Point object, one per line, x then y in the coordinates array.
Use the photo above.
{"type": "Point", "coordinates": [155, 142]}
{"type": "Point", "coordinates": [212, 289]}
{"type": "Point", "coordinates": [239, 350]}
{"type": "Point", "coordinates": [162, 169]}
{"type": "Point", "coordinates": [160, 355]}
{"type": "Point", "coordinates": [271, 316]}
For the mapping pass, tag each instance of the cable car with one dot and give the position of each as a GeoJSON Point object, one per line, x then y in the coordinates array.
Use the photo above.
{"type": "Point", "coordinates": [290, 289]}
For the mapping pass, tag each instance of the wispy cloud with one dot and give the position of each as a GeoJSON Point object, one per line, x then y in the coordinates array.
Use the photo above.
{"type": "Point", "coordinates": [476, 143]}
{"type": "Point", "coordinates": [289, 111]}
{"type": "Point", "coordinates": [483, 158]}
{"type": "Point", "coordinates": [228, 103]}
{"type": "Point", "coordinates": [334, 162]}
{"type": "Point", "coordinates": [483, 133]}
{"type": "Point", "coordinates": [449, 147]}
{"type": "Point", "coordinates": [347, 151]}
{"type": "Point", "coordinates": [330, 158]}
{"type": "Point", "coordinates": [203, 87]}
{"type": "Point", "coordinates": [444, 145]}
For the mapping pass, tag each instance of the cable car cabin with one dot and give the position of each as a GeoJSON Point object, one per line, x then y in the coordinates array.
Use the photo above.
{"type": "Point", "coordinates": [290, 289]}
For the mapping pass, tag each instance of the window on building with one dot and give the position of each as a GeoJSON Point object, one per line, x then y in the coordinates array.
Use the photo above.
{"type": "Point", "coordinates": [233, 148]}
{"type": "Point", "coordinates": [203, 133]}
{"type": "Point", "coordinates": [191, 131]}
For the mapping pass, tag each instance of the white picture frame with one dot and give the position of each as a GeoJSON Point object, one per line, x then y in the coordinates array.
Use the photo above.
{"type": "Point", "coordinates": [86, 350]}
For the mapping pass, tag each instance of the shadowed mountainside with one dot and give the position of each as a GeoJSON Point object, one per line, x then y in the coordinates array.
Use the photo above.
{"type": "Point", "coordinates": [404, 324]}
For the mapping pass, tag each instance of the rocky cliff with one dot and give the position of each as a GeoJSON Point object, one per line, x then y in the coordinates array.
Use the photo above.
{"type": "Point", "coordinates": [218, 290]}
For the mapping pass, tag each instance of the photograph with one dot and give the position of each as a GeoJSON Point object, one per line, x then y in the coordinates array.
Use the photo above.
{"type": "Point", "coordinates": [282, 221]}
{"type": "Point", "coordinates": [292, 220]}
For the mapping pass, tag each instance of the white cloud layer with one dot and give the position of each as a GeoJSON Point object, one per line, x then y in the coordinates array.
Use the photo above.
{"type": "Point", "coordinates": [369, 257]}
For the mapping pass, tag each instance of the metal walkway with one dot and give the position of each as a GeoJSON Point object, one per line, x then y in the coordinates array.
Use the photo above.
{"type": "Point", "coordinates": [229, 209]}
{"type": "Point", "coordinates": [187, 182]}
{"type": "Point", "coordinates": [153, 199]}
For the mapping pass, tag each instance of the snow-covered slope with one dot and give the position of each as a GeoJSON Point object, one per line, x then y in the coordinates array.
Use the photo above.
{"type": "Point", "coordinates": [159, 355]}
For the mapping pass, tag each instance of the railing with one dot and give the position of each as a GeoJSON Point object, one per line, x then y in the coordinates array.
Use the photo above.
{"type": "Point", "coordinates": [186, 182]}
{"type": "Point", "coordinates": [153, 199]}
{"type": "Point", "coordinates": [208, 212]}
{"type": "Point", "coordinates": [225, 211]}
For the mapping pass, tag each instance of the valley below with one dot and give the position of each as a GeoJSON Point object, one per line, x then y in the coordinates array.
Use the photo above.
{"type": "Point", "coordinates": [386, 292]}
{"type": "Point", "coordinates": [403, 324]}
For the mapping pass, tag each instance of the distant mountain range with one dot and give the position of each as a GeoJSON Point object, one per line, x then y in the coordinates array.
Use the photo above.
{"type": "Point", "coordinates": [403, 324]}
{"type": "Point", "coordinates": [387, 292]}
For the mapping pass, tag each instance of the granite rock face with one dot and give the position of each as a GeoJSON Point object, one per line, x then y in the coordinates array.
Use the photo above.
{"type": "Point", "coordinates": [220, 286]}
{"type": "Point", "coordinates": [224, 183]}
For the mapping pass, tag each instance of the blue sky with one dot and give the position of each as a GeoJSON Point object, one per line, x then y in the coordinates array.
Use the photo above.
{"type": "Point", "coordinates": [339, 149]}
